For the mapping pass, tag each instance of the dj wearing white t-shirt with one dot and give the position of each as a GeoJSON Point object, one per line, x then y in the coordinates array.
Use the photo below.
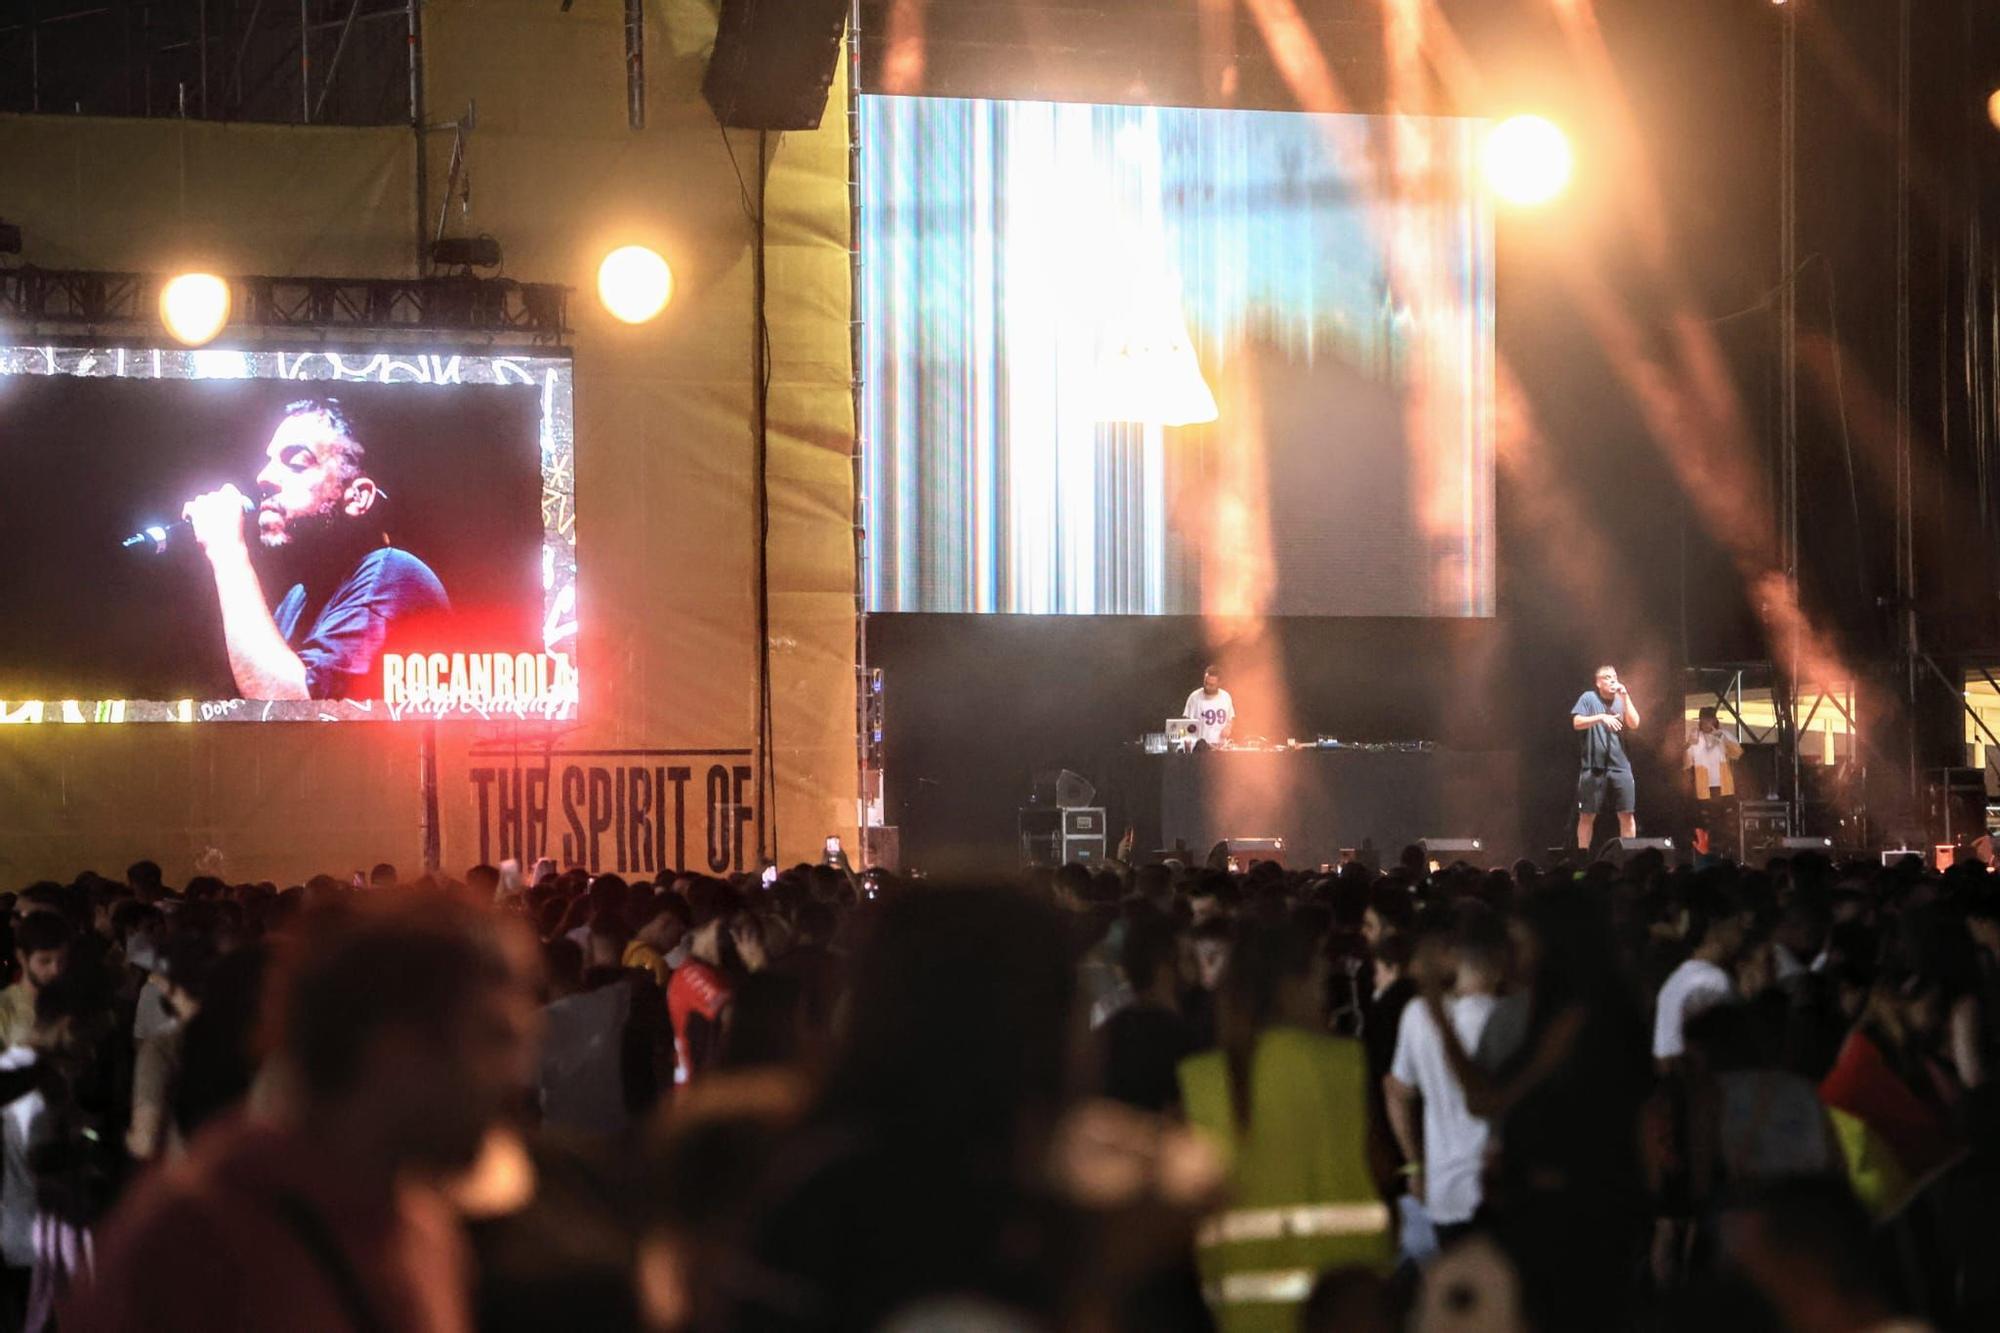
{"type": "Point", "coordinates": [1211, 708]}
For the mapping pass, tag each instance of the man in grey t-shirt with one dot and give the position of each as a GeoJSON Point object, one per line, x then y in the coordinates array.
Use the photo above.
{"type": "Point", "coordinates": [1601, 717]}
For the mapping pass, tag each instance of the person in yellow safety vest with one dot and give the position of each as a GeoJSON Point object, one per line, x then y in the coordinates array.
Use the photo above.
{"type": "Point", "coordinates": [1287, 1106]}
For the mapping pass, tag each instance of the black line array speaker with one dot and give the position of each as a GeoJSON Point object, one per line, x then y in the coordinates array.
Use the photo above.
{"type": "Point", "coordinates": [773, 62]}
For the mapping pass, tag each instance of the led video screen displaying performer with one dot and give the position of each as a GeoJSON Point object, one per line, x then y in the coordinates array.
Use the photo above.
{"type": "Point", "coordinates": [1125, 359]}
{"type": "Point", "coordinates": [260, 536]}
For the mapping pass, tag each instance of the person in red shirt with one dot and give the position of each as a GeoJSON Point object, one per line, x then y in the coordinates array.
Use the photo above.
{"type": "Point", "coordinates": [405, 1032]}
{"type": "Point", "coordinates": [698, 996]}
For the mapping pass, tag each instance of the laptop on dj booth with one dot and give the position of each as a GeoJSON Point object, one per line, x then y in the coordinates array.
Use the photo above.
{"type": "Point", "coordinates": [1182, 733]}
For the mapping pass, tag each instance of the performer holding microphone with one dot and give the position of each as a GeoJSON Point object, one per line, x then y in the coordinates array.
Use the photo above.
{"type": "Point", "coordinates": [1603, 714]}
{"type": "Point", "coordinates": [318, 530]}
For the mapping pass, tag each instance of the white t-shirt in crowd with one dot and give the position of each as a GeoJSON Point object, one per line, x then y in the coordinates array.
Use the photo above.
{"type": "Point", "coordinates": [22, 1129]}
{"type": "Point", "coordinates": [1693, 986]}
{"type": "Point", "coordinates": [1454, 1138]}
{"type": "Point", "coordinates": [1212, 715]}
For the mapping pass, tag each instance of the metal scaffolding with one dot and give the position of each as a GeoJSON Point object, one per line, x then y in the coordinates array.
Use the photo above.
{"type": "Point", "coordinates": [336, 62]}
{"type": "Point", "coordinates": [74, 302]}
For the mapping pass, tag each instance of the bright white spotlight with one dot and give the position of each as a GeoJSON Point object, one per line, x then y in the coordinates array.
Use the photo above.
{"type": "Point", "coordinates": [1527, 160]}
{"type": "Point", "coordinates": [194, 307]}
{"type": "Point", "coordinates": [634, 283]}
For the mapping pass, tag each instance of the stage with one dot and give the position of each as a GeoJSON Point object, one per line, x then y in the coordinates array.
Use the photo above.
{"type": "Point", "coordinates": [1321, 802]}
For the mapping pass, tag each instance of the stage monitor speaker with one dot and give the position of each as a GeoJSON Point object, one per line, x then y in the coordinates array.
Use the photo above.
{"type": "Point", "coordinates": [774, 62]}
{"type": "Point", "coordinates": [1060, 788]}
{"type": "Point", "coordinates": [1617, 849]}
{"type": "Point", "coordinates": [1072, 791]}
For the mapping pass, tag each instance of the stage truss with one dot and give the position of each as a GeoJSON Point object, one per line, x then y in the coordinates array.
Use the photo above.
{"type": "Point", "coordinates": [37, 301]}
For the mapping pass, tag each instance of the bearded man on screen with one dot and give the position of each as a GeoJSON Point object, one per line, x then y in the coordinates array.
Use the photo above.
{"type": "Point", "coordinates": [318, 524]}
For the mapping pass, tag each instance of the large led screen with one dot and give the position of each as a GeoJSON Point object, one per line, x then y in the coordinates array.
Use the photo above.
{"type": "Point", "coordinates": [1123, 359]}
{"type": "Point", "coordinates": [198, 536]}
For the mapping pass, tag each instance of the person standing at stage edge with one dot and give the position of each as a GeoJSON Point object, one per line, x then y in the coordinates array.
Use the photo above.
{"type": "Point", "coordinates": [1711, 762]}
{"type": "Point", "coordinates": [1213, 711]}
{"type": "Point", "coordinates": [1603, 715]}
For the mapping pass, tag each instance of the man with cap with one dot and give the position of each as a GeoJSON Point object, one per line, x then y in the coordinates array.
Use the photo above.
{"type": "Point", "coordinates": [1710, 761]}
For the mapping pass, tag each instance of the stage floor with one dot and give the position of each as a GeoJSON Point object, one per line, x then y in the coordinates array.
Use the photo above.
{"type": "Point", "coordinates": [1322, 801]}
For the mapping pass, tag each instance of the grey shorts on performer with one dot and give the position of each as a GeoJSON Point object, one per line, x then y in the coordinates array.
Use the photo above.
{"type": "Point", "coordinates": [1593, 783]}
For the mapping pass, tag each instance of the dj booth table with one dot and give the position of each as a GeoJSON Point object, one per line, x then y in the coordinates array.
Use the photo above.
{"type": "Point", "coordinates": [1322, 800]}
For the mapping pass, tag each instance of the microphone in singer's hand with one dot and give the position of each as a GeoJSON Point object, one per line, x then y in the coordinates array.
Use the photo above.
{"type": "Point", "coordinates": [162, 535]}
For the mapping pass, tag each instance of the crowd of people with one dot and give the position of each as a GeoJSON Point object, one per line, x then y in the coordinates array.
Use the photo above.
{"type": "Point", "coordinates": [1156, 1097]}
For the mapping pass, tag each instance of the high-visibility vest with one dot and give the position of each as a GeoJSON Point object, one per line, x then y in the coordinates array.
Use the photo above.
{"type": "Point", "coordinates": [1879, 1181]}
{"type": "Point", "coordinates": [1302, 1199]}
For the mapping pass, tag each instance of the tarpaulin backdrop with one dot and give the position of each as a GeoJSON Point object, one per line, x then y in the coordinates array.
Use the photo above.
{"type": "Point", "coordinates": [661, 770]}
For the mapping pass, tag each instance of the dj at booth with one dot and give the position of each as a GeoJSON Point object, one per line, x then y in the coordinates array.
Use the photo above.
{"type": "Point", "coordinates": [1211, 709]}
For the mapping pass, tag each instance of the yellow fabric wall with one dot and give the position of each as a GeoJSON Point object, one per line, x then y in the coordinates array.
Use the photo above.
{"type": "Point", "coordinates": [666, 530]}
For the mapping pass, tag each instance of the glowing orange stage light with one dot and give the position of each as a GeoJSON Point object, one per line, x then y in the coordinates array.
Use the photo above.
{"type": "Point", "coordinates": [1993, 108]}
{"type": "Point", "coordinates": [194, 307]}
{"type": "Point", "coordinates": [634, 283]}
{"type": "Point", "coordinates": [1528, 160]}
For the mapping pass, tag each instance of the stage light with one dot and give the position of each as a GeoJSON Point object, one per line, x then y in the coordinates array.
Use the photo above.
{"type": "Point", "coordinates": [634, 283]}
{"type": "Point", "coordinates": [1993, 108]}
{"type": "Point", "coordinates": [1527, 160]}
{"type": "Point", "coordinates": [194, 307]}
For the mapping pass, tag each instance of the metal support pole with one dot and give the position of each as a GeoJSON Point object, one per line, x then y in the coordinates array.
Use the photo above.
{"type": "Point", "coordinates": [427, 789]}
{"type": "Point", "coordinates": [635, 63]}
{"type": "Point", "coordinates": [1958, 692]}
{"type": "Point", "coordinates": [1906, 549]}
{"type": "Point", "coordinates": [201, 22]}
{"type": "Point", "coordinates": [1724, 703]}
{"type": "Point", "coordinates": [243, 53]}
{"type": "Point", "coordinates": [305, 62]}
{"type": "Point", "coordinates": [767, 781]}
{"type": "Point", "coordinates": [1993, 751]}
{"type": "Point", "coordinates": [856, 351]}
{"type": "Point", "coordinates": [333, 65]}
{"type": "Point", "coordinates": [461, 130]}
{"type": "Point", "coordinates": [1788, 382]}
{"type": "Point", "coordinates": [414, 18]}
{"type": "Point", "coordinates": [1813, 712]}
